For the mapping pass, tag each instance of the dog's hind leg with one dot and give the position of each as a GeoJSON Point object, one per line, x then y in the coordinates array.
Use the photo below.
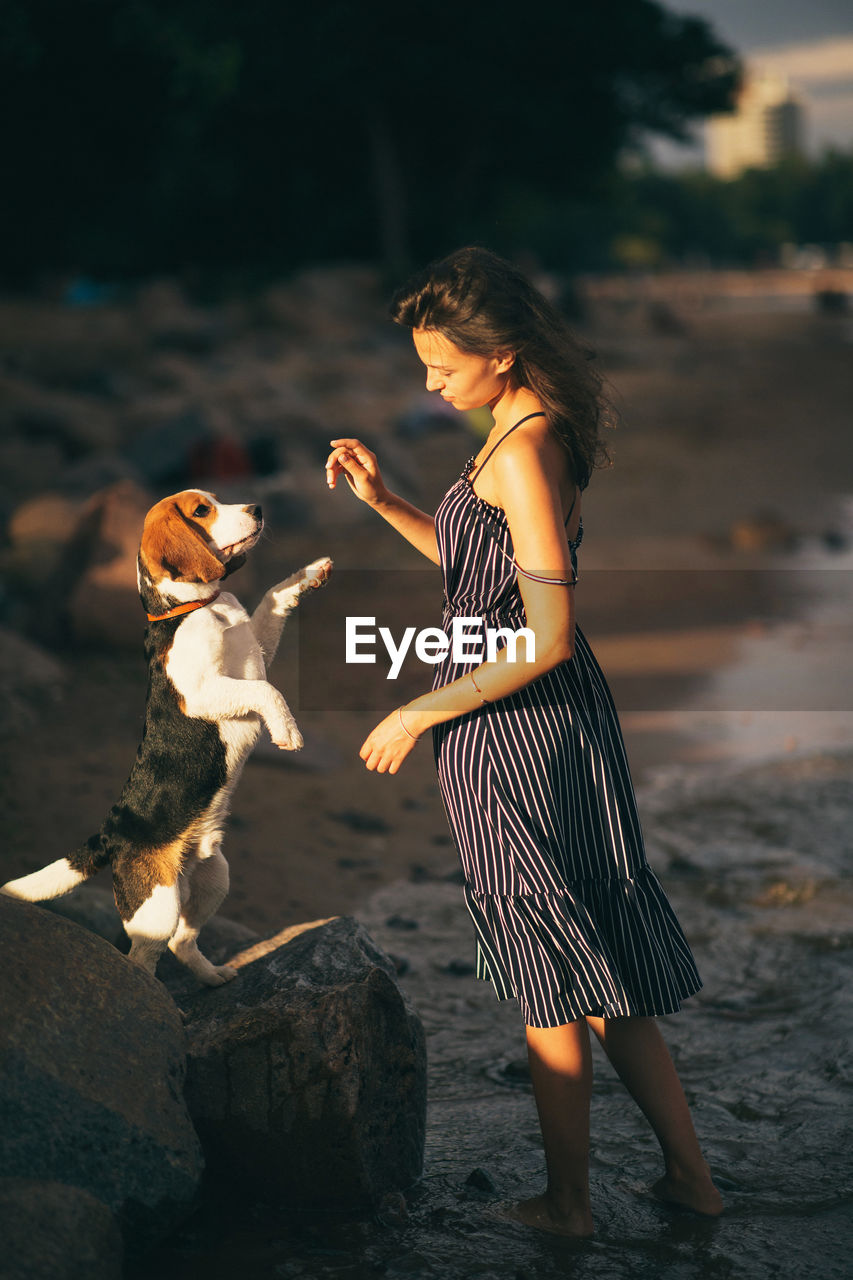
{"type": "Point", "coordinates": [152, 925]}
{"type": "Point", "coordinates": [205, 887]}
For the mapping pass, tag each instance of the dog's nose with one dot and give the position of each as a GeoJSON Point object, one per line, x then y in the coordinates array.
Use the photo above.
{"type": "Point", "coordinates": [257, 512]}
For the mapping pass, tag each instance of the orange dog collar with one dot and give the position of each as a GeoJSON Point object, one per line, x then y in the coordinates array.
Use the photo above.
{"type": "Point", "coordinates": [189, 607]}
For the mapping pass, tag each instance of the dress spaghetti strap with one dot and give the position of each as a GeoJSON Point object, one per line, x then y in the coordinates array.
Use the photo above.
{"type": "Point", "coordinates": [538, 414]}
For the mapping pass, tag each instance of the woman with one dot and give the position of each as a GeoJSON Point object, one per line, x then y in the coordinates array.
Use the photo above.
{"type": "Point", "coordinates": [569, 917]}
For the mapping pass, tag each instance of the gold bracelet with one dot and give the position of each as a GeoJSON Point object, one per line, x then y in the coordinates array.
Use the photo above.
{"type": "Point", "coordinates": [479, 690]}
{"type": "Point", "coordinates": [413, 736]}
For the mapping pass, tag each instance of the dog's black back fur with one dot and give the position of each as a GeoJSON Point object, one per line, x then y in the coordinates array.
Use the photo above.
{"type": "Point", "coordinates": [180, 766]}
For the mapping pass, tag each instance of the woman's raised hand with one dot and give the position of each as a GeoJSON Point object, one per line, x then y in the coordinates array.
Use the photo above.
{"type": "Point", "coordinates": [359, 468]}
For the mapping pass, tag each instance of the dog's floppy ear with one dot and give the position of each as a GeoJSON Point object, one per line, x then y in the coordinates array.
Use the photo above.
{"type": "Point", "coordinates": [172, 545]}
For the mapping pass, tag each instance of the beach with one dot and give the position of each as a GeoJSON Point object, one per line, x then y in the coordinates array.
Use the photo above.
{"type": "Point", "coordinates": [715, 590]}
{"type": "Point", "coordinates": [720, 536]}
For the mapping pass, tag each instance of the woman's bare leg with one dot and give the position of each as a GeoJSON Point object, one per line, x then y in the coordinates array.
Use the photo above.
{"type": "Point", "coordinates": [641, 1059]}
{"type": "Point", "coordinates": [561, 1071]}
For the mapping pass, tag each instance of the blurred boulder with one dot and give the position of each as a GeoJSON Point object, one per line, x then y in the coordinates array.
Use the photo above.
{"type": "Point", "coordinates": [26, 464]}
{"type": "Point", "coordinates": [91, 1074]}
{"type": "Point", "coordinates": [71, 567]}
{"type": "Point", "coordinates": [31, 682]}
{"type": "Point", "coordinates": [764, 531]}
{"type": "Point", "coordinates": [221, 457]}
{"type": "Point", "coordinates": [663, 319]}
{"type": "Point", "coordinates": [173, 323]}
{"type": "Point", "coordinates": [51, 1231]}
{"type": "Point", "coordinates": [832, 302]}
{"type": "Point", "coordinates": [333, 303]}
{"type": "Point", "coordinates": [82, 479]}
{"type": "Point", "coordinates": [191, 447]}
{"type": "Point", "coordinates": [98, 573]}
{"type": "Point", "coordinates": [48, 517]}
{"type": "Point", "coordinates": [306, 1075]}
{"type": "Point", "coordinates": [162, 451]}
{"type": "Point", "coordinates": [38, 532]}
{"type": "Point", "coordinates": [37, 410]}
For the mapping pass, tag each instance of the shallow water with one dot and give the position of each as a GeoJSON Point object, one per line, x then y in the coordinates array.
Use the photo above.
{"type": "Point", "coordinates": [755, 861]}
{"type": "Point", "coordinates": [775, 680]}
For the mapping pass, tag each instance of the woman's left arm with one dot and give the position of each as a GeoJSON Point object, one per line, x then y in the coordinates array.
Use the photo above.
{"type": "Point", "coordinates": [529, 493]}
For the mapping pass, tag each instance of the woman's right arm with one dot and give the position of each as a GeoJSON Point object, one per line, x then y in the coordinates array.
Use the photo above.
{"type": "Point", "coordinates": [359, 467]}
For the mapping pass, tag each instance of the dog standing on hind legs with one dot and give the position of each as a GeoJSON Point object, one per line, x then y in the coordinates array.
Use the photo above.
{"type": "Point", "coordinates": [207, 697]}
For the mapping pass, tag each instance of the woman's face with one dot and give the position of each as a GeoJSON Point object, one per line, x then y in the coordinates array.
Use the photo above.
{"type": "Point", "coordinates": [463, 380]}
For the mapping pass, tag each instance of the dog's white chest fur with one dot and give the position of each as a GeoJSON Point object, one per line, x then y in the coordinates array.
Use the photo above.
{"type": "Point", "coordinates": [211, 649]}
{"type": "Point", "coordinates": [217, 641]}
{"type": "Point", "coordinates": [242, 658]}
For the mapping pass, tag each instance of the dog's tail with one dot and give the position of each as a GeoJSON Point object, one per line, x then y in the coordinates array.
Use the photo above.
{"type": "Point", "coordinates": [61, 876]}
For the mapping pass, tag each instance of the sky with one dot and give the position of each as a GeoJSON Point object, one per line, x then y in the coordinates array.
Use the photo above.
{"type": "Point", "coordinates": [809, 41]}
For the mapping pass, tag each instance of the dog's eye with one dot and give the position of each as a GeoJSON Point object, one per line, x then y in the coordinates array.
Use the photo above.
{"type": "Point", "coordinates": [201, 510]}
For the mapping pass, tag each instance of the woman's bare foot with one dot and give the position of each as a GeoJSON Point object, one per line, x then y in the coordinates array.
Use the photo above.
{"type": "Point", "coordinates": [541, 1212]}
{"type": "Point", "coordinates": [697, 1193]}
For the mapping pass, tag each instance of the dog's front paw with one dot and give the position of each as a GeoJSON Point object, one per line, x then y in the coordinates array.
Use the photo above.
{"type": "Point", "coordinates": [314, 575]}
{"type": "Point", "coordinates": [307, 579]}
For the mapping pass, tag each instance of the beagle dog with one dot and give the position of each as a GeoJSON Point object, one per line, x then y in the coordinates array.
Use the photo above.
{"type": "Point", "coordinates": [207, 697]}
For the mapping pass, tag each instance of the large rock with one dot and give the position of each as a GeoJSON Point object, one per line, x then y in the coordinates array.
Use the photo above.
{"type": "Point", "coordinates": [306, 1075]}
{"type": "Point", "coordinates": [91, 1074]}
{"type": "Point", "coordinates": [54, 1232]}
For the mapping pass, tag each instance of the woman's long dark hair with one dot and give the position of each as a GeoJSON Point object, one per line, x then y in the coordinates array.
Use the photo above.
{"type": "Point", "coordinates": [484, 305]}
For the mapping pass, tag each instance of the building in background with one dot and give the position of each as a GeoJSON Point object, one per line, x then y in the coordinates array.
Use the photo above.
{"type": "Point", "coordinates": [766, 126]}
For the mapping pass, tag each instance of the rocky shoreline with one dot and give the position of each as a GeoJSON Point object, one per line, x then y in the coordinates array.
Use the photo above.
{"type": "Point", "coordinates": [303, 1079]}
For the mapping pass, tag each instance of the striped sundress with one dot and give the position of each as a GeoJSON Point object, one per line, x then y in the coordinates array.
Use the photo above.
{"type": "Point", "coordinates": [569, 917]}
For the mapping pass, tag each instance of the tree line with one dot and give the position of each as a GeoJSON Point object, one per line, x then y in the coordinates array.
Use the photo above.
{"type": "Point", "coordinates": [143, 135]}
{"type": "Point", "coordinates": [656, 219]}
